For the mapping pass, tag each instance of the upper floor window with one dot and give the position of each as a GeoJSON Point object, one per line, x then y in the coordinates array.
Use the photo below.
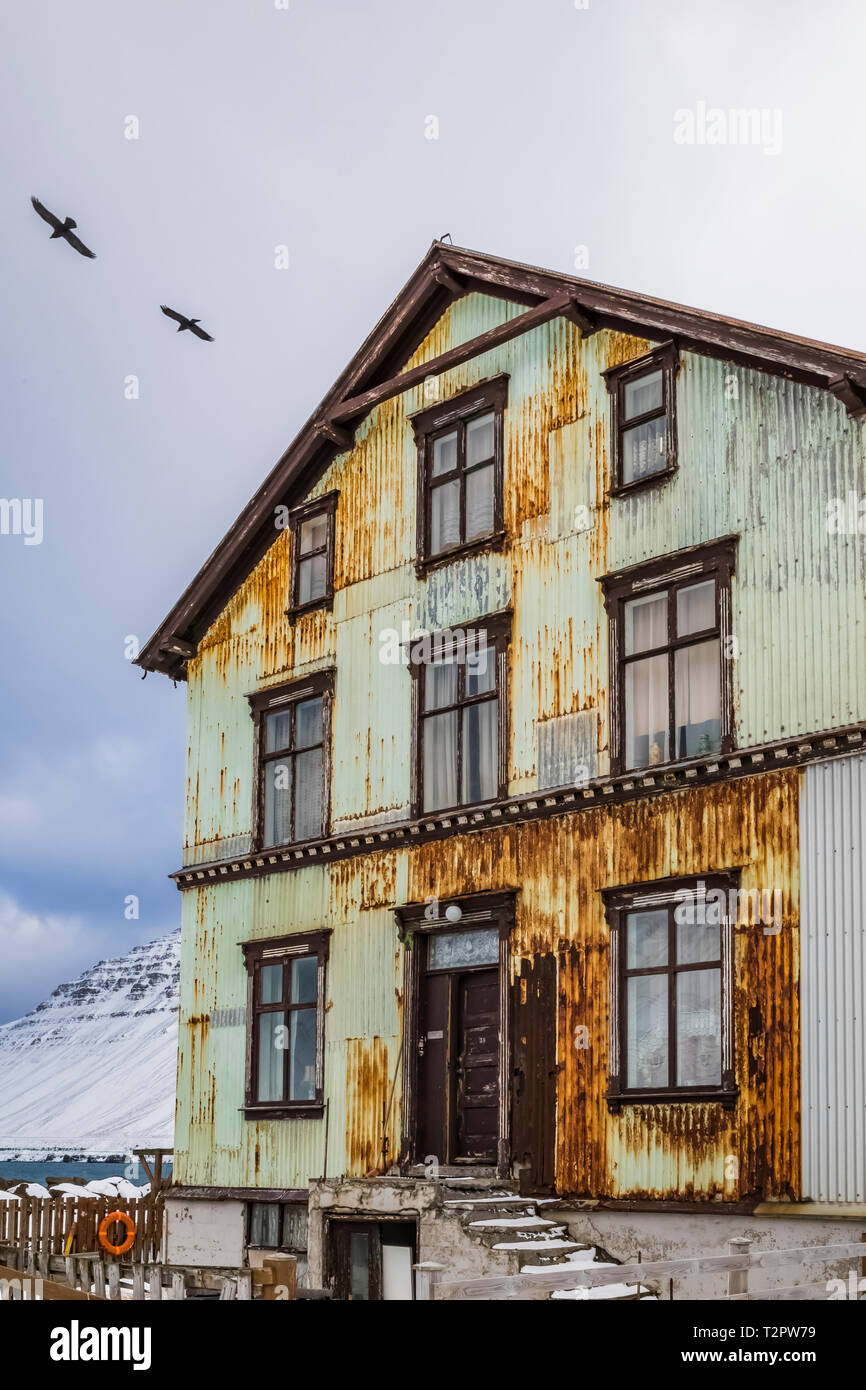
{"type": "Point", "coordinates": [671, 684]}
{"type": "Point", "coordinates": [643, 427]}
{"type": "Point", "coordinates": [460, 450]}
{"type": "Point", "coordinates": [459, 682]}
{"type": "Point", "coordinates": [293, 748]}
{"type": "Point", "coordinates": [286, 1012]}
{"type": "Point", "coordinates": [671, 992]}
{"type": "Point", "coordinates": [312, 580]}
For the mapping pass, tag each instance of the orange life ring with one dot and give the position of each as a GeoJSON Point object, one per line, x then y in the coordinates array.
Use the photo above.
{"type": "Point", "coordinates": [126, 1221]}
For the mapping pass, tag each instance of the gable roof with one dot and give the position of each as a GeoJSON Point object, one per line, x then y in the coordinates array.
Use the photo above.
{"type": "Point", "coordinates": [445, 274]}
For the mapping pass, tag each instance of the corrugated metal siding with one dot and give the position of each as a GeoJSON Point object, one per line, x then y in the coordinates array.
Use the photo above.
{"type": "Point", "coordinates": [762, 461]}
{"type": "Point", "coordinates": [762, 457]}
{"type": "Point", "coordinates": [833, 866]}
{"type": "Point", "coordinates": [214, 1143]}
{"type": "Point", "coordinates": [560, 867]}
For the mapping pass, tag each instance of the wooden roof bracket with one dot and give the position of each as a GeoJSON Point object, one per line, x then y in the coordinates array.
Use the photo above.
{"type": "Point", "coordinates": [582, 318]}
{"type": "Point", "coordinates": [851, 393]}
{"type": "Point", "coordinates": [444, 277]}
{"type": "Point", "coordinates": [342, 439]}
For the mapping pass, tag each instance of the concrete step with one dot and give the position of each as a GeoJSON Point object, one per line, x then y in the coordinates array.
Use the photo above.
{"type": "Point", "coordinates": [608, 1293]}
{"type": "Point", "coordinates": [504, 1200]}
{"type": "Point", "coordinates": [544, 1244]}
{"type": "Point", "coordinates": [530, 1224]}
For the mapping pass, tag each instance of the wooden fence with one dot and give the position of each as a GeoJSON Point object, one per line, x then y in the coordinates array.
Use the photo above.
{"type": "Point", "coordinates": [432, 1280]}
{"type": "Point", "coordinates": [43, 1225]}
{"type": "Point", "coordinates": [89, 1277]}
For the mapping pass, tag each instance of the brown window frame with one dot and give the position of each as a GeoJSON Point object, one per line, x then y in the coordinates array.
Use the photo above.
{"type": "Point", "coordinates": [272, 701]}
{"type": "Point", "coordinates": [662, 894]}
{"type": "Point", "coordinates": [442, 418]}
{"type": "Point", "coordinates": [497, 629]}
{"type": "Point", "coordinates": [283, 951]}
{"type": "Point", "coordinates": [679, 570]}
{"type": "Point", "coordinates": [318, 506]}
{"type": "Point", "coordinates": [666, 358]}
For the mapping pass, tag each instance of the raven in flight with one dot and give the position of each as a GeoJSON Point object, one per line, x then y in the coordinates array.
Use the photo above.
{"type": "Point", "coordinates": [62, 229]}
{"type": "Point", "coordinates": [192, 324]}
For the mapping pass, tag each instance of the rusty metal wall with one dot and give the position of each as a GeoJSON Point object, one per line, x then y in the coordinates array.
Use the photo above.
{"type": "Point", "coordinates": [214, 1144]}
{"type": "Point", "coordinates": [833, 980]}
{"type": "Point", "coordinates": [759, 456]}
{"type": "Point", "coordinates": [559, 867]}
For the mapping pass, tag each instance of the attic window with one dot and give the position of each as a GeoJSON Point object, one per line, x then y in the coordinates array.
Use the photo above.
{"type": "Point", "coordinates": [460, 453]}
{"type": "Point", "coordinates": [643, 425]}
{"type": "Point", "coordinates": [312, 530]}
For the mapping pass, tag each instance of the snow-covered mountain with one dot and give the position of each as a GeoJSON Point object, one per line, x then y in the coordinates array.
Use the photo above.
{"type": "Point", "coordinates": [91, 1072]}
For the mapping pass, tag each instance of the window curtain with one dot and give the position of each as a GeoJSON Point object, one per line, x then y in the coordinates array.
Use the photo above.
{"type": "Point", "coordinates": [480, 752]}
{"type": "Point", "coordinates": [698, 700]}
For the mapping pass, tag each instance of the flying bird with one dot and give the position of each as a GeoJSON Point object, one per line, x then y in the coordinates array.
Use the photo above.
{"type": "Point", "coordinates": [62, 229]}
{"type": "Point", "coordinates": [192, 324]}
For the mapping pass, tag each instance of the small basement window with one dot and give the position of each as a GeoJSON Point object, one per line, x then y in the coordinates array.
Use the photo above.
{"type": "Point", "coordinates": [278, 1226]}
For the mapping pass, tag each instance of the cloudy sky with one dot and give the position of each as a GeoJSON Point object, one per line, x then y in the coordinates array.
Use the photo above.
{"type": "Point", "coordinates": [306, 124]}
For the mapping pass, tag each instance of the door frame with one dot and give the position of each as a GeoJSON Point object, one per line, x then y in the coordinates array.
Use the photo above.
{"type": "Point", "coordinates": [339, 1224]}
{"type": "Point", "coordinates": [426, 919]}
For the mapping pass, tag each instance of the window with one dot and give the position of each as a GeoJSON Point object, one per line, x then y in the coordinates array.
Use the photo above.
{"type": "Point", "coordinates": [277, 1226]}
{"type": "Point", "coordinates": [312, 528]}
{"type": "Point", "coordinates": [286, 993]}
{"type": "Point", "coordinates": [643, 426]}
{"type": "Point", "coordinates": [671, 992]}
{"type": "Point", "coordinates": [460, 449]}
{"type": "Point", "coordinates": [670, 669]}
{"type": "Point", "coordinates": [459, 683]}
{"type": "Point", "coordinates": [293, 748]}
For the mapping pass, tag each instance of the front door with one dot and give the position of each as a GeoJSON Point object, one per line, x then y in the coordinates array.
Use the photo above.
{"type": "Point", "coordinates": [477, 1100]}
{"type": "Point", "coordinates": [458, 1048]}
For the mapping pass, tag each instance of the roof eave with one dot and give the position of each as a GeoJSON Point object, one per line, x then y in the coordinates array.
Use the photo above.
{"type": "Point", "coordinates": [446, 273]}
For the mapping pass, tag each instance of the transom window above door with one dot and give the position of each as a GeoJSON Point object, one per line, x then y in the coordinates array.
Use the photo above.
{"type": "Point", "coordinates": [460, 465]}
{"type": "Point", "coordinates": [670, 659]}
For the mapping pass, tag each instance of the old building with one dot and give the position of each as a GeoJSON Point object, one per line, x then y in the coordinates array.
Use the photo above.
{"type": "Point", "coordinates": [525, 815]}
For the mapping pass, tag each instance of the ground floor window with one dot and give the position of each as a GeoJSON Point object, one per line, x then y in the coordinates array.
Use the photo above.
{"type": "Point", "coordinates": [671, 991]}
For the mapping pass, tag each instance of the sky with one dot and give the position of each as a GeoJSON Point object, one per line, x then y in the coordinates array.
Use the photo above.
{"type": "Point", "coordinates": [190, 140]}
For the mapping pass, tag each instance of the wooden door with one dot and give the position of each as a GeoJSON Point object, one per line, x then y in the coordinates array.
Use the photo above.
{"type": "Point", "coordinates": [477, 1067]}
{"type": "Point", "coordinates": [435, 1106]}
